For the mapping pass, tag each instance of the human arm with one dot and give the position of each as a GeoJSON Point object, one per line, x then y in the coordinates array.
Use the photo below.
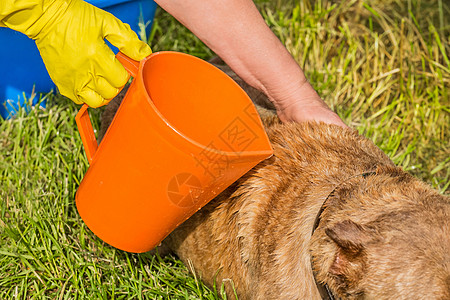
{"type": "Point", "coordinates": [235, 30]}
{"type": "Point", "coordinates": [70, 37]}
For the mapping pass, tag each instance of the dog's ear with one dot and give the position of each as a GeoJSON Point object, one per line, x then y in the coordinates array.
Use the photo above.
{"type": "Point", "coordinates": [351, 239]}
{"type": "Point", "coordinates": [349, 236]}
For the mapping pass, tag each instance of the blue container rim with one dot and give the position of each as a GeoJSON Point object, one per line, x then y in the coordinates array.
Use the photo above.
{"type": "Point", "coordinates": [107, 3]}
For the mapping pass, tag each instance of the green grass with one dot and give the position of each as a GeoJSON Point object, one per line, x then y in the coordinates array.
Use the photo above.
{"type": "Point", "coordinates": [383, 65]}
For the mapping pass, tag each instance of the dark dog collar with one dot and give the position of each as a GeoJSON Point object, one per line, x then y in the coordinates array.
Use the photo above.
{"type": "Point", "coordinates": [324, 289]}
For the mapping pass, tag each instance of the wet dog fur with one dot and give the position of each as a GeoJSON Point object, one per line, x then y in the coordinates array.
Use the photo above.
{"type": "Point", "coordinates": [385, 235]}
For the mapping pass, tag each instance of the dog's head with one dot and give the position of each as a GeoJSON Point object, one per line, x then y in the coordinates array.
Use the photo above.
{"type": "Point", "coordinates": [385, 237]}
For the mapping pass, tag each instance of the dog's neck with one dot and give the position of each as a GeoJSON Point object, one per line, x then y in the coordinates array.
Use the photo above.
{"type": "Point", "coordinates": [323, 288]}
{"type": "Point", "coordinates": [319, 213]}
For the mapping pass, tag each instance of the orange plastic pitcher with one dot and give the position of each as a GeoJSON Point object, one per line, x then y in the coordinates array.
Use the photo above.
{"type": "Point", "coordinates": [184, 132]}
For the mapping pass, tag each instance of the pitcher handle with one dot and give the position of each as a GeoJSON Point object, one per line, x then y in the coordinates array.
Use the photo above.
{"type": "Point", "coordinates": [131, 65]}
{"type": "Point", "coordinates": [86, 132]}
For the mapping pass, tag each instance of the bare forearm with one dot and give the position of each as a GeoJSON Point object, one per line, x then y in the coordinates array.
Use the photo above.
{"type": "Point", "coordinates": [236, 31]}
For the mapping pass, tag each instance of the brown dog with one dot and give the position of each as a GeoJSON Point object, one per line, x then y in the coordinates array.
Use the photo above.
{"type": "Point", "coordinates": [330, 207]}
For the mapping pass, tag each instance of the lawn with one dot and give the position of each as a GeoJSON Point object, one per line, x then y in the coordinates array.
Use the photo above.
{"type": "Point", "coordinates": [384, 66]}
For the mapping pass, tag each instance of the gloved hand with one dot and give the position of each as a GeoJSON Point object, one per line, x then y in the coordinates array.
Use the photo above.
{"type": "Point", "coordinates": [70, 37]}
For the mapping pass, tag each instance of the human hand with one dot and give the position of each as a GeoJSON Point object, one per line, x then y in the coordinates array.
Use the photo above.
{"type": "Point", "coordinates": [70, 37]}
{"type": "Point", "coordinates": [305, 105]}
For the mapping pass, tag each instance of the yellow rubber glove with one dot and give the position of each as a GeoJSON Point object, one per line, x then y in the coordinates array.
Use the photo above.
{"type": "Point", "coordinates": [70, 37]}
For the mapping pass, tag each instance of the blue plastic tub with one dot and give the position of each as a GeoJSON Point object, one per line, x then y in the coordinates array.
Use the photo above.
{"type": "Point", "coordinates": [21, 66]}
